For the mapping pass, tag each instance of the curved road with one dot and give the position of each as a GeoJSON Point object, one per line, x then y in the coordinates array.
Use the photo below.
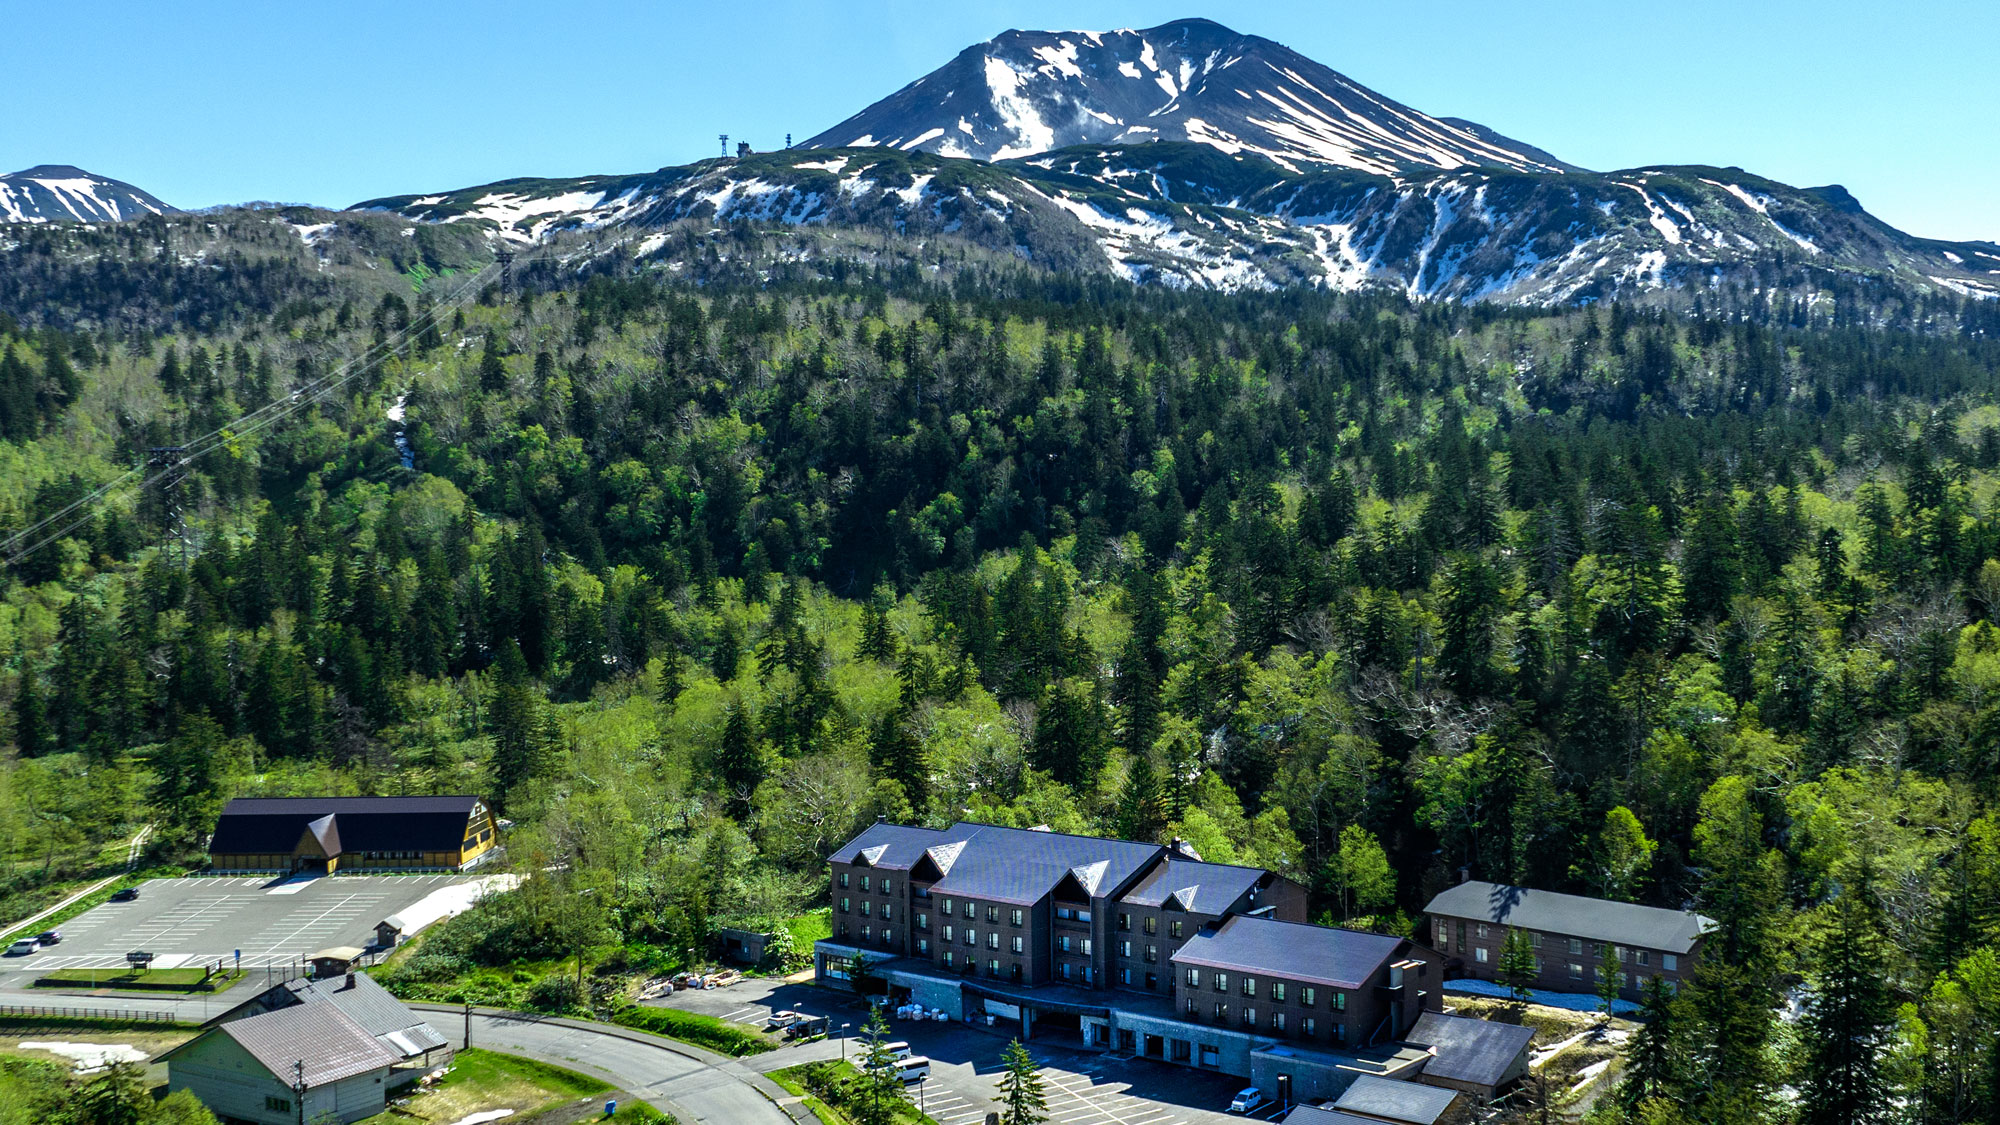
{"type": "Point", "coordinates": [688, 1082]}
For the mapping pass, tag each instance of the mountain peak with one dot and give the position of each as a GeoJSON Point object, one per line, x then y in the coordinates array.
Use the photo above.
{"type": "Point", "coordinates": [61, 193]}
{"type": "Point", "coordinates": [1024, 93]}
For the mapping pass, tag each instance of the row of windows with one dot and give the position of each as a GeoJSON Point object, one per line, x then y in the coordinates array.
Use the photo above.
{"type": "Point", "coordinates": [1069, 914]}
{"type": "Point", "coordinates": [888, 884]}
{"type": "Point", "coordinates": [1247, 1016]}
{"type": "Point", "coordinates": [867, 933]}
{"type": "Point", "coordinates": [1068, 971]}
{"type": "Point", "coordinates": [888, 908]}
{"type": "Point", "coordinates": [1576, 946]}
{"type": "Point", "coordinates": [1152, 951]}
{"type": "Point", "coordinates": [1308, 995]}
{"type": "Point", "coordinates": [1151, 925]}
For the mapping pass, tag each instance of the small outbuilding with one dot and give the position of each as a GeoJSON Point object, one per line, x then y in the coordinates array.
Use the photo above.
{"type": "Point", "coordinates": [1401, 1103]}
{"type": "Point", "coordinates": [1478, 1058]}
{"type": "Point", "coordinates": [305, 1062]}
{"type": "Point", "coordinates": [335, 960]}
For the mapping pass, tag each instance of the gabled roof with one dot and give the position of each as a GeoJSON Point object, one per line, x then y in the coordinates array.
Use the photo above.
{"type": "Point", "coordinates": [1592, 919]}
{"type": "Point", "coordinates": [891, 846]}
{"type": "Point", "coordinates": [276, 825]}
{"type": "Point", "coordinates": [1291, 950]}
{"type": "Point", "coordinates": [331, 1045]}
{"type": "Point", "coordinates": [1193, 886]}
{"type": "Point", "coordinates": [356, 996]}
{"type": "Point", "coordinates": [1314, 1115]}
{"type": "Point", "coordinates": [1467, 1050]}
{"type": "Point", "coordinates": [1396, 1101]}
{"type": "Point", "coordinates": [1020, 866]}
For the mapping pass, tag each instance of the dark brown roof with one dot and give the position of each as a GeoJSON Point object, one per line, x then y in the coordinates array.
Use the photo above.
{"type": "Point", "coordinates": [274, 825]}
{"type": "Point", "coordinates": [1290, 950]}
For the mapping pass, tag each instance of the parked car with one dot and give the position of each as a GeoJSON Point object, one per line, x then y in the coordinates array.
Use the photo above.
{"type": "Point", "coordinates": [49, 937]}
{"type": "Point", "coordinates": [25, 945]}
{"type": "Point", "coordinates": [125, 894]}
{"type": "Point", "coordinates": [1247, 1100]}
{"type": "Point", "coordinates": [806, 1027]}
{"type": "Point", "coordinates": [783, 1017]}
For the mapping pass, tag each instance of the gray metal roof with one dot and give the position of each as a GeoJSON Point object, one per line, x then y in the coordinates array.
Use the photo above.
{"type": "Point", "coordinates": [1592, 919]}
{"type": "Point", "coordinates": [894, 846]}
{"type": "Point", "coordinates": [1197, 887]}
{"type": "Point", "coordinates": [1292, 950]}
{"type": "Point", "coordinates": [1469, 1050]}
{"type": "Point", "coordinates": [1020, 866]}
{"type": "Point", "coordinates": [1396, 1101]}
{"type": "Point", "coordinates": [331, 1046]}
{"type": "Point", "coordinates": [370, 1005]}
{"type": "Point", "coordinates": [1314, 1115]}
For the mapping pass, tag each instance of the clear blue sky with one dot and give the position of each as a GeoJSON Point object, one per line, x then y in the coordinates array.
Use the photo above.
{"type": "Point", "coordinates": [218, 102]}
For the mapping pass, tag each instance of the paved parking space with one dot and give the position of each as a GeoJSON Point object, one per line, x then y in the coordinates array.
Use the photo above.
{"type": "Point", "coordinates": [1084, 1087]}
{"type": "Point", "coordinates": [204, 919]}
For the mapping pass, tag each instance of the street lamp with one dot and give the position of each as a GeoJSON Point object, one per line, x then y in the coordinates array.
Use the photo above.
{"type": "Point", "coordinates": [843, 1041]}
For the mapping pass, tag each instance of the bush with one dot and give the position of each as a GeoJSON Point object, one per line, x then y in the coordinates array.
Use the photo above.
{"type": "Point", "coordinates": [556, 992]}
{"type": "Point", "coordinates": [726, 1038]}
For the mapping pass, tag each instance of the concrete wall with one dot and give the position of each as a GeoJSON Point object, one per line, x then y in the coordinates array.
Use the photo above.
{"type": "Point", "coordinates": [1232, 1048]}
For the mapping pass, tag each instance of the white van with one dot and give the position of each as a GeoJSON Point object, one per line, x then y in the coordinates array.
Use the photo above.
{"type": "Point", "coordinates": [913, 1068]}
{"type": "Point", "coordinates": [898, 1050]}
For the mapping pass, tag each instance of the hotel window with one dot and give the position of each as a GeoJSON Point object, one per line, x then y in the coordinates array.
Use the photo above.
{"type": "Point", "coordinates": [1461, 937]}
{"type": "Point", "coordinates": [1621, 953]}
{"type": "Point", "coordinates": [947, 933]}
{"type": "Point", "coordinates": [1340, 1001]}
{"type": "Point", "coordinates": [1534, 941]}
{"type": "Point", "coordinates": [1152, 981]}
{"type": "Point", "coordinates": [888, 909]}
{"type": "Point", "coordinates": [1307, 1027]}
{"type": "Point", "coordinates": [1221, 1011]}
{"type": "Point", "coordinates": [1194, 978]}
{"type": "Point", "coordinates": [888, 935]}
{"type": "Point", "coordinates": [1642, 956]}
{"type": "Point", "coordinates": [1125, 948]}
{"type": "Point", "coordinates": [843, 880]}
{"type": "Point", "coordinates": [866, 906]}
{"type": "Point", "coordinates": [971, 936]}
{"type": "Point", "coordinates": [1175, 928]}
{"type": "Point", "coordinates": [1669, 962]}
{"type": "Point", "coordinates": [993, 968]}
{"type": "Point", "coordinates": [1183, 1050]}
{"type": "Point", "coordinates": [1190, 1008]}
{"type": "Point", "coordinates": [1125, 977]}
{"type": "Point", "coordinates": [923, 947]}
{"type": "Point", "coordinates": [843, 904]}
{"type": "Point", "coordinates": [1153, 925]}
{"type": "Point", "coordinates": [1308, 995]}
{"type": "Point", "coordinates": [1444, 934]}
{"type": "Point", "coordinates": [992, 915]}
{"type": "Point", "coordinates": [948, 962]}
{"type": "Point", "coordinates": [1016, 918]}
{"type": "Point", "coordinates": [1575, 971]}
{"type": "Point", "coordinates": [1278, 991]}
{"type": "Point", "coordinates": [887, 885]}
{"type": "Point", "coordinates": [1086, 947]}
{"type": "Point", "coordinates": [1277, 1021]}
{"type": "Point", "coordinates": [923, 921]}
{"type": "Point", "coordinates": [1222, 982]}
{"type": "Point", "coordinates": [1062, 943]}
{"type": "Point", "coordinates": [1479, 955]}
{"type": "Point", "coordinates": [864, 882]}
{"type": "Point", "coordinates": [1017, 943]}
{"type": "Point", "coordinates": [1576, 947]}
{"type": "Point", "coordinates": [971, 908]}
{"type": "Point", "coordinates": [993, 939]}
{"type": "Point", "coordinates": [1087, 974]}
{"type": "Point", "coordinates": [1482, 931]}
{"type": "Point", "coordinates": [866, 933]}
{"type": "Point", "coordinates": [1249, 986]}
{"type": "Point", "coordinates": [945, 906]}
{"type": "Point", "coordinates": [1250, 1017]}
{"type": "Point", "coordinates": [1152, 952]}
{"type": "Point", "coordinates": [1064, 969]}
{"type": "Point", "coordinates": [1124, 922]}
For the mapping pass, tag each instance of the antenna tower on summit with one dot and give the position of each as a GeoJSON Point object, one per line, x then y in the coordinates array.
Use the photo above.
{"type": "Point", "coordinates": [724, 138]}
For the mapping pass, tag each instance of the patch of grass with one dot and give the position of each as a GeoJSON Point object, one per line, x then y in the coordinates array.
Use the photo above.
{"type": "Point", "coordinates": [812, 926]}
{"type": "Point", "coordinates": [721, 1036]}
{"type": "Point", "coordinates": [483, 1080]}
{"type": "Point", "coordinates": [828, 1086]}
{"type": "Point", "coordinates": [18, 1025]}
{"type": "Point", "coordinates": [153, 980]}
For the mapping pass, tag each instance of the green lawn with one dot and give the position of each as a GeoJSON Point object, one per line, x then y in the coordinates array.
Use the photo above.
{"type": "Point", "coordinates": [833, 1079]}
{"type": "Point", "coordinates": [482, 1080]}
{"type": "Point", "coordinates": [152, 980]}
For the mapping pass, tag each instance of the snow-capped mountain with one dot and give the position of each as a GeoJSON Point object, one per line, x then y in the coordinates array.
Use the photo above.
{"type": "Point", "coordinates": [56, 193]}
{"type": "Point", "coordinates": [1023, 93]}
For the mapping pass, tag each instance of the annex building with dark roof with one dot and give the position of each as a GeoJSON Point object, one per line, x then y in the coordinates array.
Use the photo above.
{"type": "Point", "coordinates": [327, 834]}
{"type": "Point", "coordinates": [1574, 938]}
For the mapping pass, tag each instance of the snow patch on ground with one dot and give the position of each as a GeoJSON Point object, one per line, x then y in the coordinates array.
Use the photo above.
{"type": "Point", "coordinates": [834, 165]}
{"type": "Point", "coordinates": [483, 1116]}
{"type": "Point", "coordinates": [87, 1057]}
{"type": "Point", "coordinates": [449, 902]}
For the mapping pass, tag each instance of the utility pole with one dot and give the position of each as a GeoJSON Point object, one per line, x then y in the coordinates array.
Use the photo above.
{"type": "Point", "coordinates": [505, 257]}
{"type": "Point", "coordinates": [468, 1026]}
{"type": "Point", "coordinates": [724, 138]}
{"type": "Point", "coordinates": [299, 1088]}
{"type": "Point", "coordinates": [169, 463]}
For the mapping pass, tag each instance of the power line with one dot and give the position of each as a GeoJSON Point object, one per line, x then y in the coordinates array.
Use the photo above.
{"type": "Point", "coordinates": [208, 443]}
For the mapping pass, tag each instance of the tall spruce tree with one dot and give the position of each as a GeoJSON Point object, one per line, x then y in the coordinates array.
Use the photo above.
{"type": "Point", "coordinates": [1849, 1018]}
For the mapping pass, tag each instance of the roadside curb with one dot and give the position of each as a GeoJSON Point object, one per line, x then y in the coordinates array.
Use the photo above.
{"type": "Point", "coordinates": [771, 1092]}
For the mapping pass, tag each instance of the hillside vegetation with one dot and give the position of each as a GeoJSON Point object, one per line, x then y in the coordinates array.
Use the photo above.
{"type": "Point", "coordinates": [1683, 605]}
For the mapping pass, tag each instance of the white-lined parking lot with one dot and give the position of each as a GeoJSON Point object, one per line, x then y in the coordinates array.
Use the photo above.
{"type": "Point", "coordinates": [208, 919]}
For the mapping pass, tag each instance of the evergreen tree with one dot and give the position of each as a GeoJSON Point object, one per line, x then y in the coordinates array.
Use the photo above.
{"type": "Point", "coordinates": [878, 642]}
{"type": "Point", "coordinates": [1021, 1097]}
{"type": "Point", "coordinates": [1609, 970]}
{"type": "Point", "coordinates": [515, 718]}
{"type": "Point", "coordinates": [1652, 1062]}
{"type": "Point", "coordinates": [880, 1088]}
{"type": "Point", "coordinates": [1518, 969]}
{"type": "Point", "coordinates": [1848, 1019]}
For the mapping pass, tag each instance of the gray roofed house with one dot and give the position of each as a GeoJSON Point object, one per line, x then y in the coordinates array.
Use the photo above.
{"type": "Point", "coordinates": [1388, 1100]}
{"type": "Point", "coordinates": [1194, 886]}
{"type": "Point", "coordinates": [1476, 1057]}
{"type": "Point", "coordinates": [1592, 919]}
{"type": "Point", "coordinates": [358, 997]}
{"type": "Point", "coordinates": [1293, 950]}
{"type": "Point", "coordinates": [305, 1060]}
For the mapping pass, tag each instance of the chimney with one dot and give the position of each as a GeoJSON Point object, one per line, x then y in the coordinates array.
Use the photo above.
{"type": "Point", "coordinates": [350, 978]}
{"type": "Point", "coordinates": [1465, 874]}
